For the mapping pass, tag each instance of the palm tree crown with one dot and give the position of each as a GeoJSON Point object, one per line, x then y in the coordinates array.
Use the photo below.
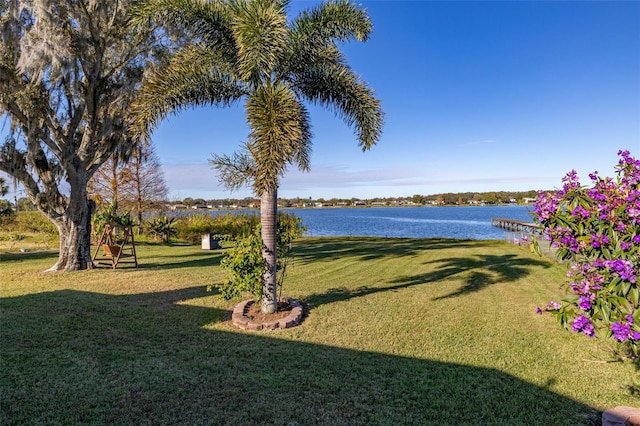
{"type": "Point", "coordinates": [247, 49]}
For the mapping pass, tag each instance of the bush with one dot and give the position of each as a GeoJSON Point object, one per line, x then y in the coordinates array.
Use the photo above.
{"type": "Point", "coordinates": [32, 221]}
{"type": "Point", "coordinates": [6, 212]}
{"type": "Point", "coordinates": [110, 215]}
{"type": "Point", "coordinates": [597, 230]}
{"type": "Point", "coordinates": [191, 227]}
{"type": "Point", "coordinates": [245, 263]}
{"type": "Point", "coordinates": [161, 228]}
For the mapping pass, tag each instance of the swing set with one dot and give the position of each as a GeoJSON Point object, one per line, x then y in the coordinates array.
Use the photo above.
{"type": "Point", "coordinates": [117, 245]}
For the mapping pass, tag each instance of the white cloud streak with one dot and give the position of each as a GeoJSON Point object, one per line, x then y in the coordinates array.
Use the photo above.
{"type": "Point", "coordinates": [201, 181]}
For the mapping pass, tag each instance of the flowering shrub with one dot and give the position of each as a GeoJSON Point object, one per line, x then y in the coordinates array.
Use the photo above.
{"type": "Point", "coordinates": [597, 230]}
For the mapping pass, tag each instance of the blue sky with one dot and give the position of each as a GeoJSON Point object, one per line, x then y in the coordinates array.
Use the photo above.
{"type": "Point", "coordinates": [478, 96]}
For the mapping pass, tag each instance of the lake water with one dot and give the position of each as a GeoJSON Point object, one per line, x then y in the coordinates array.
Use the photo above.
{"type": "Point", "coordinates": [472, 222]}
{"type": "Point", "coordinates": [468, 222]}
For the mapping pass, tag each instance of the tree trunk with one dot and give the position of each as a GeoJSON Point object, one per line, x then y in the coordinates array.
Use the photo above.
{"type": "Point", "coordinates": [268, 218]}
{"type": "Point", "coordinates": [114, 181]}
{"type": "Point", "coordinates": [138, 185]}
{"type": "Point", "coordinates": [74, 227]}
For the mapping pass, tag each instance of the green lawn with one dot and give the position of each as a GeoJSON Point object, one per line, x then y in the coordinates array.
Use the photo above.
{"type": "Point", "coordinates": [399, 331]}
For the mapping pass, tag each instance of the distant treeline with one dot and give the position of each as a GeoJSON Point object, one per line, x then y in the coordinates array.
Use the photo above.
{"type": "Point", "coordinates": [460, 198]}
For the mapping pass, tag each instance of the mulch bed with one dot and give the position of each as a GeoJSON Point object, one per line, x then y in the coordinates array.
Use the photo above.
{"type": "Point", "coordinates": [252, 311]}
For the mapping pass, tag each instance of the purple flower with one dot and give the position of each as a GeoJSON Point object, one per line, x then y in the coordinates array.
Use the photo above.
{"type": "Point", "coordinates": [621, 332]}
{"type": "Point", "coordinates": [553, 306]}
{"type": "Point", "coordinates": [584, 302]}
{"type": "Point", "coordinates": [538, 310]}
{"type": "Point", "coordinates": [636, 239]}
{"type": "Point", "coordinates": [624, 268]}
{"type": "Point", "coordinates": [580, 287]}
{"type": "Point", "coordinates": [599, 240]}
{"type": "Point", "coordinates": [583, 324]}
{"type": "Point", "coordinates": [625, 246]}
{"type": "Point", "coordinates": [580, 211]}
{"type": "Point", "coordinates": [589, 330]}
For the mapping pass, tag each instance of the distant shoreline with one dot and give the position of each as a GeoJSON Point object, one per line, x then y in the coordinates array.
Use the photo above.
{"type": "Point", "coordinates": [246, 208]}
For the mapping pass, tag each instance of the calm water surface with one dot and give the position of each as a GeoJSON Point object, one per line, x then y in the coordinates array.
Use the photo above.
{"type": "Point", "coordinates": [473, 222]}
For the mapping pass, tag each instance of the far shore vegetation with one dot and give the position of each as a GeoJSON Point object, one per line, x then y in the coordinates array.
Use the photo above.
{"type": "Point", "coordinates": [444, 199]}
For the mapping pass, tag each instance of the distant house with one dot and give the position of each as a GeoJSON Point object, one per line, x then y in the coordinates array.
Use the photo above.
{"type": "Point", "coordinates": [528, 200]}
{"type": "Point", "coordinates": [254, 204]}
{"type": "Point", "coordinates": [359, 203]}
{"type": "Point", "coordinates": [178, 207]}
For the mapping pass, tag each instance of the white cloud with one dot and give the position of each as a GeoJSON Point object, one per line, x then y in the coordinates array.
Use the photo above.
{"type": "Point", "coordinates": [201, 181]}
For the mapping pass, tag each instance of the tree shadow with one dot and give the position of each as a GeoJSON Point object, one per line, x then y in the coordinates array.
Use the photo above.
{"type": "Point", "coordinates": [30, 255]}
{"type": "Point", "coordinates": [190, 260]}
{"type": "Point", "coordinates": [313, 249]}
{"type": "Point", "coordinates": [74, 357]}
{"type": "Point", "coordinates": [482, 271]}
{"type": "Point", "coordinates": [177, 260]}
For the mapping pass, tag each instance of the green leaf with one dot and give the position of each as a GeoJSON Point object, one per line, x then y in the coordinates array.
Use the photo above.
{"type": "Point", "coordinates": [605, 310]}
{"type": "Point", "coordinates": [634, 297]}
{"type": "Point", "coordinates": [624, 288]}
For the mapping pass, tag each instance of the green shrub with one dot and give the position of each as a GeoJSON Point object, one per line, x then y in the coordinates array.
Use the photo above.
{"type": "Point", "coordinates": [245, 265]}
{"type": "Point", "coordinates": [191, 227]}
{"type": "Point", "coordinates": [244, 260]}
{"type": "Point", "coordinates": [32, 221]}
{"type": "Point", "coordinates": [110, 215]}
{"type": "Point", "coordinates": [6, 212]}
{"type": "Point", "coordinates": [161, 228]}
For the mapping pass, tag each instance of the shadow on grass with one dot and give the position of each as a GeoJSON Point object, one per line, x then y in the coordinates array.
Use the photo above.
{"type": "Point", "coordinates": [197, 258]}
{"type": "Point", "coordinates": [481, 271]}
{"type": "Point", "coordinates": [484, 270]}
{"type": "Point", "coordinates": [370, 248]}
{"type": "Point", "coordinates": [31, 255]}
{"type": "Point", "coordinates": [187, 260]}
{"type": "Point", "coordinates": [72, 357]}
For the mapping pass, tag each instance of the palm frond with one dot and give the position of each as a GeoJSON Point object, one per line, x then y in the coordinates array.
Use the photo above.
{"type": "Point", "coordinates": [195, 76]}
{"type": "Point", "coordinates": [280, 135]}
{"type": "Point", "coordinates": [335, 21]}
{"type": "Point", "coordinates": [337, 87]}
{"type": "Point", "coordinates": [234, 171]}
{"type": "Point", "coordinates": [194, 16]}
{"type": "Point", "coordinates": [260, 32]}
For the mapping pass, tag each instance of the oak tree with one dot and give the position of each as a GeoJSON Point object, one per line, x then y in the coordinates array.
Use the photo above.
{"type": "Point", "coordinates": [69, 71]}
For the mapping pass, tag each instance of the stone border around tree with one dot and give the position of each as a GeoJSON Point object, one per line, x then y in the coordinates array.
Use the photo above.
{"type": "Point", "coordinates": [243, 322]}
{"type": "Point", "coordinates": [621, 416]}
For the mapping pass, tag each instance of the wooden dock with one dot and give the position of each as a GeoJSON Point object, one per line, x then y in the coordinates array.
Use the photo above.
{"type": "Point", "coordinates": [516, 225]}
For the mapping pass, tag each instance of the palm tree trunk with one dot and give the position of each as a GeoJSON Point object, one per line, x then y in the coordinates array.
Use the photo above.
{"type": "Point", "coordinates": [268, 218]}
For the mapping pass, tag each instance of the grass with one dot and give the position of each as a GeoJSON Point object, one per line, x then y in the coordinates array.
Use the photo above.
{"type": "Point", "coordinates": [399, 331]}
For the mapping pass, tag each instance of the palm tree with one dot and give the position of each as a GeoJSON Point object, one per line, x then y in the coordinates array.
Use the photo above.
{"type": "Point", "coordinates": [247, 49]}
